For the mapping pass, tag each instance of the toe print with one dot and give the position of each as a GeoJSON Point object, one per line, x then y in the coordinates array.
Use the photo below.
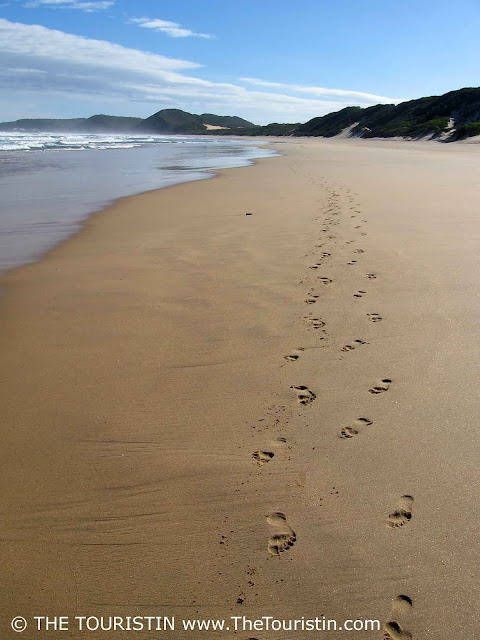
{"type": "Point", "coordinates": [403, 514]}
{"type": "Point", "coordinates": [285, 536]}
{"type": "Point", "coordinates": [354, 430]}
{"type": "Point", "coordinates": [304, 395]}
{"type": "Point", "coordinates": [263, 456]}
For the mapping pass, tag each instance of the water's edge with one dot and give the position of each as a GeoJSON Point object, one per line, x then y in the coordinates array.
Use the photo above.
{"type": "Point", "coordinates": [80, 224]}
{"type": "Point", "coordinates": [42, 210]}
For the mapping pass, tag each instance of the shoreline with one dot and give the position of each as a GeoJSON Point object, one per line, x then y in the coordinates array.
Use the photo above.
{"type": "Point", "coordinates": [55, 201]}
{"type": "Point", "coordinates": [160, 453]}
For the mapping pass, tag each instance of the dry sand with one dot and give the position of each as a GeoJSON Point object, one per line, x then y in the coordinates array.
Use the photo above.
{"type": "Point", "coordinates": [143, 366]}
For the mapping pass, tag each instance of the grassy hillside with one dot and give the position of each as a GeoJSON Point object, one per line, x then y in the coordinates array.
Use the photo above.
{"type": "Point", "coordinates": [232, 122]}
{"type": "Point", "coordinates": [450, 117]}
{"type": "Point", "coordinates": [429, 116]}
{"type": "Point", "coordinates": [95, 124]}
{"type": "Point", "coordinates": [178, 121]}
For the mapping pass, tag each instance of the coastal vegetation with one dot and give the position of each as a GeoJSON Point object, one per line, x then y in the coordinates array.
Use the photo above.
{"type": "Point", "coordinates": [450, 117]}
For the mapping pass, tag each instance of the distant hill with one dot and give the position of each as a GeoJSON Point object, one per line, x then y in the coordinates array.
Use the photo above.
{"type": "Point", "coordinates": [166, 121]}
{"type": "Point", "coordinates": [230, 122]}
{"type": "Point", "coordinates": [172, 121]}
{"type": "Point", "coordinates": [178, 121]}
{"type": "Point", "coordinates": [95, 124]}
{"type": "Point", "coordinates": [452, 116]}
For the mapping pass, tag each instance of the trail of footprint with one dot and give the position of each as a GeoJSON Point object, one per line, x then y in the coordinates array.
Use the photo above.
{"type": "Point", "coordinates": [403, 514]}
{"type": "Point", "coordinates": [350, 432]}
{"type": "Point", "coordinates": [382, 386]}
{"type": "Point", "coordinates": [304, 395]}
{"type": "Point", "coordinates": [374, 317]}
{"type": "Point", "coordinates": [284, 539]}
{"type": "Point", "coordinates": [400, 609]}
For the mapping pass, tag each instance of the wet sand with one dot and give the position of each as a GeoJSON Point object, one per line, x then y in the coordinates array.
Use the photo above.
{"type": "Point", "coordinates": [161, 456]}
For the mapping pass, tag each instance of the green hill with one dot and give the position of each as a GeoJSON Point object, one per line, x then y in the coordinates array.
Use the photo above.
{"type": "Point", "coordinates": [450, 117]}
{"type": "Point", "coordinates": [166, 121]}
{"type": "Point", "coordinates": [178, 121]}
{"type": "Point", "coordinates": [95, 124]}
{"type": "Point", "coordinates": [453, 116]}
{"type": "Point", "coordinates": [172, 121]}
{"type": "Point", "coordinates": [231, 122]}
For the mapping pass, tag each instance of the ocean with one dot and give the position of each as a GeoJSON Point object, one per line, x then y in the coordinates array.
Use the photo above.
{"type": "Point", "coordinates": [50, 183]}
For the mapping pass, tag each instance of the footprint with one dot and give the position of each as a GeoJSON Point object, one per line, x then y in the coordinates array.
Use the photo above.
{"type": "Point", "coordinates": [294, 356]}
{"type": "Point", "coordinates": [352, 262]}
{"type": "Point", "coordinates": [301, 479]}
{"type": "Point", "coordinates": [311, 299]}
{"type": "Point", "coordinates": [324, 280]}
{"type": "Point", "coordinates": [316, 323]}
{"type": "Point", "coordinates": [359, 251]}
{"type": "Point", "coordinates": [403, 514]}
{"type": "Point", "coordinates": [384, 385]}
{"type": "Point", "coordinates": [304, 395]}
{"type": "Point", "coordinates": [262, 456]}
{"type": "Point", "coordinates": [359, 294]}
{"type": "Point", "coordinates": [371, 276]}
{"type": "Point", "coordinates": [350, 347]}
{"type": "Point", "coordinates": [400, 609]}
{"type": "Point", "coordinates": [350, 432]}
{"type": "Point", "coordinates": [284, 539]}
{"type": "Point", "coordinates": [374, 317]}
{"type": "Point", "coordinates": [393, 631]}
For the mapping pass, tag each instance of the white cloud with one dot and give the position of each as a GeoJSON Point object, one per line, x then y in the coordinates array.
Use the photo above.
{"type": "Point", "coordinates": [52, 49]}
{"type": "Point", "coordinates": [39, 63]}
{"type": "Point", "coordinates": [172, 29]}
{"type": "Point", "coordinates": [322, 92]}
{"type": "Point", "coordinates": [89, 7]}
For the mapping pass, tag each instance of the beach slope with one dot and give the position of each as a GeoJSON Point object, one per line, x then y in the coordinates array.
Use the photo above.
{"type": "Point", "coordinates": [209, 414]}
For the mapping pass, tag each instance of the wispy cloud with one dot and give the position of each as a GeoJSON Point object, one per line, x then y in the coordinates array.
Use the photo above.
{"type": "Point", "coordinates": [40, 62]}
{"type": "Point", "coordinates": [88, 7]}
{"type": "Point", "coordinates": [172, 29]}
{"type": "Point", "coordinates": [322, 92]}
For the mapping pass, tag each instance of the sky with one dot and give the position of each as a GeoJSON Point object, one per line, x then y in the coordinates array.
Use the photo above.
{"type": "Point", "coordinates": [264, 60]}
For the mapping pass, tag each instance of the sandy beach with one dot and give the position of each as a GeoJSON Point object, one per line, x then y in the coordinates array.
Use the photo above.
{"type": "Point", "coordinates": [209, 414]}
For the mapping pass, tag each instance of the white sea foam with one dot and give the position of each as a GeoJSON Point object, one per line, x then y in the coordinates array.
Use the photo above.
{"type": "Point", "coordinates": [27, 141]}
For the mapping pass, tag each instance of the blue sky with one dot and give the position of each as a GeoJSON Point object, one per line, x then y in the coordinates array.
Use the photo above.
{"type": "Point", "coordinates": [265, 60]}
